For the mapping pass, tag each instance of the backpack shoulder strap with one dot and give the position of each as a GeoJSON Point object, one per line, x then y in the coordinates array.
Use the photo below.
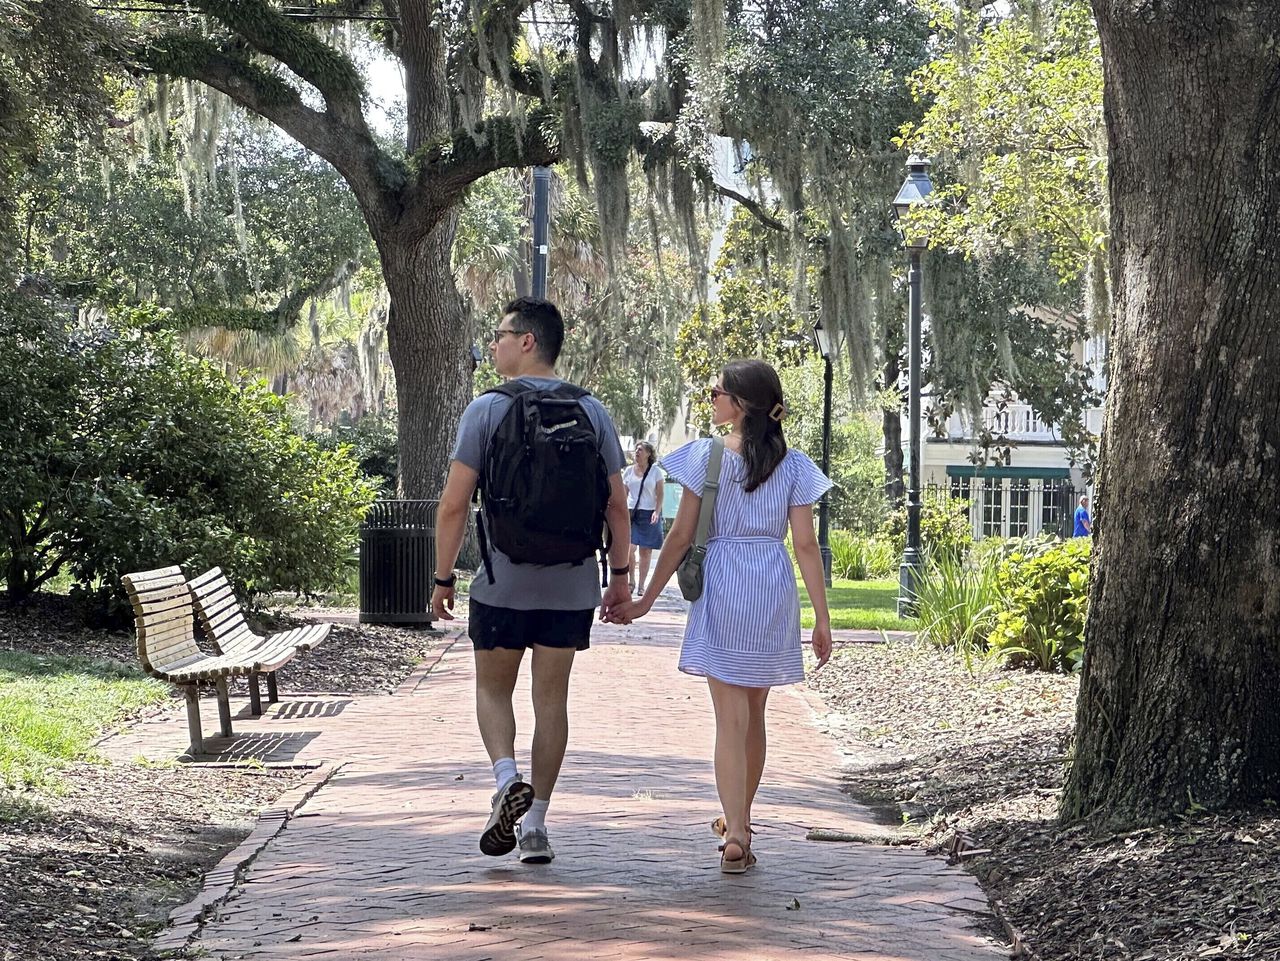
{"type": "Point", "coordinates": [510, 388]}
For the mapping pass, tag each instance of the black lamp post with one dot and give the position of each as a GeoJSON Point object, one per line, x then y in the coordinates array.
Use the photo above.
{"type": "Point", "coordinates": [541, 228]}
{"type": "Point", "coordinates": [822, 337]}
{"type": "Point", "coordinates": [915, 190]}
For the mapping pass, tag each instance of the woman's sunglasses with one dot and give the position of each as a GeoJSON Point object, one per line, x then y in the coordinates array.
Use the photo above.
{"type": "Point", "coordinates": [717, 393]}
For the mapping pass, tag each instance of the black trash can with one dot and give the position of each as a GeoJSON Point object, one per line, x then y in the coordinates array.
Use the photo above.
{"type": "Point", "coordinates": [397, 562]}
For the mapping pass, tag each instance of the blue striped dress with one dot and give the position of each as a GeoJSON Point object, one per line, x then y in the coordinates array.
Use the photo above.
{"type": "Point", "coordinates": [745, 629]}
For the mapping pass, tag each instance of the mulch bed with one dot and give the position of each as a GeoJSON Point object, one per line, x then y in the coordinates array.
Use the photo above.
{"type": "Point", "coordinates": [975, 763]}
{"type": "Point", "coordinates": [93, 871]}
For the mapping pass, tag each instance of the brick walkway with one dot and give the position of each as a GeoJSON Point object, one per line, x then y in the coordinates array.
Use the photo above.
{"type": "Point", "coordinates": [382, 862]}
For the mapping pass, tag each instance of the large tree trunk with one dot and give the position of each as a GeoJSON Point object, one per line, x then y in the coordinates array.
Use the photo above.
{"type": "Point", "coordinates": [895, 489]}
{"type": "Point", "coordinates": [1180, 699]}
{"type": "Point", "coordinates": [428, 339]}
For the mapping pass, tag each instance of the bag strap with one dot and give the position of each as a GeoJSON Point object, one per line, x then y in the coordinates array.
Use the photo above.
{"type": "Point", "coordinates": [710, 488]}
{"type": "Point", "coordinates": [640, 494]}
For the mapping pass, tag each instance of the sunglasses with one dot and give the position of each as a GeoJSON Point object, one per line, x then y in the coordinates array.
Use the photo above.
{"type": "Point", "coordinates": [717, 393]}
{"type": "Point", "coordinates": [496, 333]}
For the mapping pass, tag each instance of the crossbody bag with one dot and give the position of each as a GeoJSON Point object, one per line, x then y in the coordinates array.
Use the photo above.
{"type": "Point", "coordinates": [689, 573]}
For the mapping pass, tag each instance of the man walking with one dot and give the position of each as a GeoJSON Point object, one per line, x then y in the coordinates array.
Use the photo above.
{"type": "Point", "coordinates": [548, 463]}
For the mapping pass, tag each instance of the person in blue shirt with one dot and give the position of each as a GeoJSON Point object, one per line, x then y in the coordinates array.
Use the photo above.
{"type": "Point", "coordinates": [1084, 526]}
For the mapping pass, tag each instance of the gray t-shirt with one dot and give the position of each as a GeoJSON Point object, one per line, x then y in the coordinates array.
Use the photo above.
{"type": "Point", "coordinates": [528, 587]}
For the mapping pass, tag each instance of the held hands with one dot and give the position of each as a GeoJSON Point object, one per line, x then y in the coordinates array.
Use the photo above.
{"type": "Point", "coordinates": [821, 642]}
{"type": "Point", "coordinates": [616, 595]}
{"type": "Point", "coordinates": [630, 611]}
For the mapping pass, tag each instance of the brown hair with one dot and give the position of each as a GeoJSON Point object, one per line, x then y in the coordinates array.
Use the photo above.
{"type": "Point", "coordinates": [653, 454]}
{"type": "Point", "coordinates": [758, 391]}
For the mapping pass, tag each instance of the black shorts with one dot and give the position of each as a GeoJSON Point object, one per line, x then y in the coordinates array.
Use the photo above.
{"type": "Point", "coordinates": [502, 627]}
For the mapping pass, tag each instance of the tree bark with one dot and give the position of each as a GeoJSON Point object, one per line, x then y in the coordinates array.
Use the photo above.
{"type": "Point", "coordinates": [428, 340]}
{"type": "Point", "coordinates": [1181, 683]}
{"type": "Point", "coordinates": [895, 489]}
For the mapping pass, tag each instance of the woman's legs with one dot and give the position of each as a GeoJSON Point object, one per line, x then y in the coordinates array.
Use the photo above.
{"type": "Point", "coordinates": [646, 554]}
{"type": "Point", "coordinates": [631, 578]}
{"type": "Point", "coordinates": [757, 697]}
{"type": "Point", "coordinates": [733, 721]}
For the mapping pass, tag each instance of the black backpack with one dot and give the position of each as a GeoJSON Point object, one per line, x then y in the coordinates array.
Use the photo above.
{"type": "Point", "coordinates": [543, 484]}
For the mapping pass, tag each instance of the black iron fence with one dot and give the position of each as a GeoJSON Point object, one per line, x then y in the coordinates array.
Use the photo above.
{"type": "Point", "coordinates": [1012, 506]}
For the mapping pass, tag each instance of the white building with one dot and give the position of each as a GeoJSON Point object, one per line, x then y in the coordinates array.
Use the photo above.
{"type": "Point", "coordinates": [1037, 489]}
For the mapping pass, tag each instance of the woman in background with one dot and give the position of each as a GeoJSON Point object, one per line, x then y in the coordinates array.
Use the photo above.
{"type": "Point", "coordinates": [644, 497]}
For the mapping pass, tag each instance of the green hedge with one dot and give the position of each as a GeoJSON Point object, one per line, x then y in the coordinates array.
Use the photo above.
{"type": "Point", "coordinates": [1044, 599]}
{"type": "Point", "coordinates": [1020, 601]}
{"type": "Point", "coordinates": [122, 452]}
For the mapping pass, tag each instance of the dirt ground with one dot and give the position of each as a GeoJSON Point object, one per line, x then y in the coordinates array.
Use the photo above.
{"type": "Point", "coordinates": [93, 870]}
{"type": "Point", "coordinates": [974, 764]}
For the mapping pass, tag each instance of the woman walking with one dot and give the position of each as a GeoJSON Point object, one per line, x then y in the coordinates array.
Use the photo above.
{"type": "Point", "coordinates": [644, 497]}
{"type": "Point", "coordinates": [743, 633]}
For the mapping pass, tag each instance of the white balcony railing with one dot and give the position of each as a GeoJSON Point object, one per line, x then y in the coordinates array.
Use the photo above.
{"type": "Point", "coordinates": [1015, 421]}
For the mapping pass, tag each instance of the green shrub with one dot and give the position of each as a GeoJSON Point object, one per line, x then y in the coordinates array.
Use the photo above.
{"type": "Point", "coordinates": [882, 558]}
{"type": "Point", "coordinates": [121, 452]}
{"type": "Point", "coordinates": [945, 530]}
{"type": "Point", "coordinates": [857, 558]}
{"type": "Point", "coordinates": [957, 604]}
{"type": "Point", "coordinates": [373, 444]}
{"type": "Point", "coordinates": [848, 556]}
{"type": "Point", "coordinates": [1045, 595]}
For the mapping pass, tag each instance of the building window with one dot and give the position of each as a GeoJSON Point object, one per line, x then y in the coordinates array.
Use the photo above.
{"type": "Point", "coordinates": [960, 489]}
{"type": "Point", "coordinates": [993, 507]}
{"type": "Point", "coordinates": [1019, 507]}
{"type": "Point", "coordinates": [1051, 505]}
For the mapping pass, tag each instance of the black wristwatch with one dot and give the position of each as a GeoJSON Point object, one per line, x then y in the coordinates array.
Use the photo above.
{"type": "Point", "coordinates": [447, 581]}
{"type": "Point", "coordinates": [619, 571]}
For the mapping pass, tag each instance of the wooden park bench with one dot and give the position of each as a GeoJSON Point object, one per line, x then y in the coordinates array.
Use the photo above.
{"type": "Point", "coordinates": [162, 606]}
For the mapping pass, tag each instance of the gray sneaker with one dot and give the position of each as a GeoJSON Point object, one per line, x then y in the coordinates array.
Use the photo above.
{"type": "Point", "coordinates": [535, 848]}
{"type": "Point", "coordinates": [509, 806]}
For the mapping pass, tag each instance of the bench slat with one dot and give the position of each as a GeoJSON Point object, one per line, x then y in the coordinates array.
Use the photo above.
{"type": "Point", "coordinates": [217, 602]}
{"type": "Point", "coordinates": [158, 609]}
{"type": "Point", "coordinates": [161, 634]}
{"type": "Point", "coordinates": [208, 577]}
{"type": "Point", "coordinates": [225, 623]}
{"type": "Point", "coordinates": [181, 645]}
{"type": "Point", "coordinates": [143, 579]}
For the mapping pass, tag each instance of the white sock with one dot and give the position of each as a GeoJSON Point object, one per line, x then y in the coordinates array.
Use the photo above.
{"type": "Point", "coordinates": [504, 771]}
{"type": "Point", "coordinates": [536, 819]}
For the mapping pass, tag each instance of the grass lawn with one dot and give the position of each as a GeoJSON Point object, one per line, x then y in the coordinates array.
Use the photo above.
{"type": "Point", "coordinates": [52, 707]}
{"type": "Point", "coordinates": [864, 605]}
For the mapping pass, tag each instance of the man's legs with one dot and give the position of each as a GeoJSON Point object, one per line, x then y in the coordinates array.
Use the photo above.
{"type": "Point", "coordinates": [496, 671]}
{"type": "Point", "coordinates": [551, 669]}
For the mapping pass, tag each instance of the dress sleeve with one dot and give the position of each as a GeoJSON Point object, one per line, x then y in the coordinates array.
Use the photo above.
{"type": "Point", "coordinates": [808, 484]}
{"type": "Point", "coordinates": [688, 465]}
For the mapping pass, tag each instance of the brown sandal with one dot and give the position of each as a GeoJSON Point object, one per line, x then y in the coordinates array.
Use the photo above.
{"type": "Point", "coordinates": [739, 864]}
